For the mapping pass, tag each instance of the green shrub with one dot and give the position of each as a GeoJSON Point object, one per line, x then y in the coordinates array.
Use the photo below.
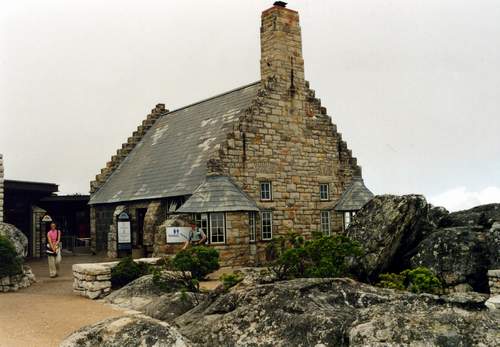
{"type": "Point", "coordinates": [199, 261]}
{"type": "Point", "coordinates": [230, 280]}
{"type": "Point", "coordinates": [325, 256]}
{"type": "Point", "coordinates": [10, 262]}
{"type": "Point", "coordinates": [126, 271]}
{"type": "Point", "coordinates": [418, 280]}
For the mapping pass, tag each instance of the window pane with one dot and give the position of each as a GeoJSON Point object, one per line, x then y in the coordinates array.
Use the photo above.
{"type": "Point", "coordinates": [325, 222]}
{"type": "Point", "coordinates": [217, 234]}
{"type": "Point", "coordinates": [347, 219]}
{"type": "Point", "coordinates": [251, 225]}
{"type": "Point", "coordinates": [267, 225]}
{"type": "Point", "coordinates": [324, 192]}
{"type": "Point", "coordinates": [265, 190]}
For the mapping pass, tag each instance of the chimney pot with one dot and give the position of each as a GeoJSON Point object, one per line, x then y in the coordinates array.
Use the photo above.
{"type": "Point", "coordinates": [280, 3]}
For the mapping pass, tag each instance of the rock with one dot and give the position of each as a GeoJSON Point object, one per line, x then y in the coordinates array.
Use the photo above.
{"type": "Point", "coordinates": [436, 214]}
{"type": "Point", "coordinates": [16, 236]}
{"type": "Point", "coordinates": [457, 255]}
{"type": "Point", "coordinates": [388, 228]}
{"type": "Point", "coordinates": [493, 303]}
{"type": "Point", "coordinates": [140, 293]}
{"type": "Point", "coordinates": [483, 216]}
{"type": "Point", "coordinates": [135, 330]}
{"type": "Point", "coordinates": [337, 312]}
{"type": "Point", "coordinates": [171, 305]}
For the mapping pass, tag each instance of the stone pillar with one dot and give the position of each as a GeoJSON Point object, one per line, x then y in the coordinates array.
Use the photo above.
{"type": "Point", "coordinates": [93, 230]}
{"type": "Point", "coordinates": [494, 281]}
{"type": "Point", "coordinates": [281, 63]}
{"type": "Point", "coordinates": [1, 188]}
{"type": "Point", "coordinates": [113, 233]}
{"type": "Point", "coordinates": [155, 215]}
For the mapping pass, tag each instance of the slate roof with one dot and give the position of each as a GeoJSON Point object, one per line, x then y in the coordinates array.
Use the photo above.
{"type": "Point", "coordinates": [170, 160]}
{"type": "Point", "coordinates": [218, 194]}
{"type": "Point", "coordinates": [354, 197]}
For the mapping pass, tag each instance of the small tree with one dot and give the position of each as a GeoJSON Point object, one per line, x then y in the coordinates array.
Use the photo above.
{"type": "Point", "coordinates": [126, 271]}
{"type": "Point", "coordinates": [10, 262]}
{"type": "Point", "coordinates": [199, 261]}
{"type": "Point", "coordinates": [418, 280]}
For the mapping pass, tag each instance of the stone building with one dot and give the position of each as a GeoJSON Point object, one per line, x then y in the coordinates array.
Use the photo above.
{"type": "Point", "coordinates": [248, 165]}
{"type": "Point", "coordinates": [1, 188]}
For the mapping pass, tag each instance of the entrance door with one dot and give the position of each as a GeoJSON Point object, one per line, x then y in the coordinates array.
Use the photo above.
{"type": "Point", "coordinates": [139, 236]}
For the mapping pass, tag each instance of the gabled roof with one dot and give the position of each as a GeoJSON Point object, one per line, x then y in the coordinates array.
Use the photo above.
{"type": "Point", "coordinates": [354, 197]}
{"type": "Point", "coordinates": [218, 194]}
{"type": "Point", "coordinates": [170, 160]}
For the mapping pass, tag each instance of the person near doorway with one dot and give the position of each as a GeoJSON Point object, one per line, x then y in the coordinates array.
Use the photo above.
{"type": "Point", "coordinates": [196, 237]}
{"type": "Point", "coordinates": [54, 249]}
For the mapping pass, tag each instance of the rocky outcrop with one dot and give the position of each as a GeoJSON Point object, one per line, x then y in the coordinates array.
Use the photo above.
{"type": "Point", "coordinates": [16, 236]}
{"type": "Point", "coordinates": [459, 255]}
{"type": "Point", "coordinates": [133, 330]}
{"type": "Point", "coordinates": [389, 227]}
{"type": "Point", "coordinates": [15, 282]}
{"type": "Point", "coordinates": [482, 216]}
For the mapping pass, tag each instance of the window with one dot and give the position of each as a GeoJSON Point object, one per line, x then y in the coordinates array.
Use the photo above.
{"type": "Point", "coordinates": [201, 221]}
{"type": "Point", "coordinates": [267, 225]}
{"type": "Point", "coordinates": [265, 191]}
{"type": "Point", "coordinates": [252, 226]}
{"type": "Point", "coordinates": [324, 191]}
{"type": "Point", "coordinates": [347, 219]}
{"type": "Point", "coordinates": [217, 234]}
{"type": "Point", "coordinates": [325, 223]}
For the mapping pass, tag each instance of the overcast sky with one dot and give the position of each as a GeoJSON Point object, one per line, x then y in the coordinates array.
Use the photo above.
{"type": "Point", "coordinates": [414, 85]}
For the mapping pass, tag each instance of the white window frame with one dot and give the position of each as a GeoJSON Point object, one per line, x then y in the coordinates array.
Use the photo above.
{"type": "Point", "coordinates": [325, 223]}
{"type": "Point", "coordinates": [347, 219]}
{"type": "Point", "coordinates": [270, 191]}
{"type": "Point", "coordinates": [262, 220]}
{"type": "Point", "coordinates": [212, 226]}
{"type": "Point", "coordinates": [201, 221]}
{"type": "Point", "coordinates": [252, 226]}
{"type": "Point", "coordinates": [321, 185]}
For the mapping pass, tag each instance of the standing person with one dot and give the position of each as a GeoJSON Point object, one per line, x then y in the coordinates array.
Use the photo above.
{"type": "Point", "coordinates": [196, 237]}
{"type": "Point", "coordinates": [54, 249]}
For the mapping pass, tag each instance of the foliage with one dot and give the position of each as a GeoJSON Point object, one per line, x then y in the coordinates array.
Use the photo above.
{"type": "Point", "coordinates": [230, 280]}
{"type": "Point", "coordinates": [10, 263]}
{"type": "Point", "coordinates": [126, 271]}
{"type": "Point", "coordinates": [324, 256]}
{"type": "Point", "coordinates": [418, 280]}
{"type": "Point", "coordinates": [199, 261]}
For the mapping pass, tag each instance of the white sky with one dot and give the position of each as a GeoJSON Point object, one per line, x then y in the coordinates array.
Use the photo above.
{"type": "Point", "coordinates": [414, 85]}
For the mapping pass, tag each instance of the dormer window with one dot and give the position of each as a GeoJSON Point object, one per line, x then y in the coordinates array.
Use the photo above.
{"type": "Point", "coordinates": [265, 191]}
{"type": "Point", "coordinates": [324, 192]}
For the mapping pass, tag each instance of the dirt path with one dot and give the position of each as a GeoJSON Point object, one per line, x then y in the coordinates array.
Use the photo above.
{"type": "Point", "coordinates": [45, 313]}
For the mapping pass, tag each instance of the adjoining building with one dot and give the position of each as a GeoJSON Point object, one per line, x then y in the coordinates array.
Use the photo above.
{"type": "Point", "coordinates": [248, 165]}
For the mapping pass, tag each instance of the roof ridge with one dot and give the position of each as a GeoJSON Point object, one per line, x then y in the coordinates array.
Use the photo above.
{"type": "Point", "coordinates": [213, 97]}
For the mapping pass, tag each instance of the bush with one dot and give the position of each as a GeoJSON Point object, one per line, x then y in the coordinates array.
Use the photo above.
{"type": "Point", "coordinates": [230, 280]}
{"type": "Point", "coordinates": [199, 261]}
{"type": "Point", "coordinates": [418, 280]}
{"type": "Point", "coordinates": [325, 256]}
{"type": "Point", "coordinates": [10, 262]}
{"type": "Point", "coordinates": [126, 271]}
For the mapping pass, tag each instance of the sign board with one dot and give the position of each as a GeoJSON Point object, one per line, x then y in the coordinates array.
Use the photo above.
{"type": "Point", "coordinates": [47, 218]}
{"type": "Point", "coordinates": [178, 234]}
{"type": "Point", "coordinates": [124, 232]}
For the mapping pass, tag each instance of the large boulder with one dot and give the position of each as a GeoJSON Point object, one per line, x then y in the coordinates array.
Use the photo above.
{"type": "Point", "coordinates": [483, 216]}
{"type": "Point", "coordinates": [457, 255]}
{"type": "Point", "coordinates": [16, 236]}
{"type": "Point", "coordinates": [388, 228]}
{"type": "Point", "coordinates": [133, 330]}
{"type": "Point", "coordinates": [337, 312]}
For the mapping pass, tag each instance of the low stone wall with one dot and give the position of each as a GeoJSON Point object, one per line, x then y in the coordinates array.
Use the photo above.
{"type": "Point", "coordinates": [494, 282]}
{"type": "Point", "coordinates": [16, 282]}
{"type": "Point", "coordinates": [93, 280]}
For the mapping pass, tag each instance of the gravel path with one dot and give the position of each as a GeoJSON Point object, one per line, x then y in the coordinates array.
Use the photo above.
{"type": "Point", "coordinates": [45, 313]}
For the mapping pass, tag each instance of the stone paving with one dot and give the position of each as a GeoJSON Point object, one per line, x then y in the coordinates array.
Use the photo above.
{"type": "Point", "coordinates": [45, 313]}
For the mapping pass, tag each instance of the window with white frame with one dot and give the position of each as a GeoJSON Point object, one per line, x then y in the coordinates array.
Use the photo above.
{"type": "Point", "coordinates": [347, 219]}
{"type": "Point", "coordinates": [265, 191]}
{"type": "Point", "coordinates": [325, 223]}
{"type": "Point", "coordinates": [324, 191]}
{"type": "Point", "coordinates": [201, 221]}
{"type": "Point", "coordinates": [217, 234]}
{"type": "Point", "coordinates": [267, 225]}
{"type": "Point", "coordinates": [252, 225]}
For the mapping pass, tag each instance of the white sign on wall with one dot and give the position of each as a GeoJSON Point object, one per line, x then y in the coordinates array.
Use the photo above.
{"type": "Point", "coordinates": [178, 234]}
{"type": "Point", "coordinates": [124, 234]}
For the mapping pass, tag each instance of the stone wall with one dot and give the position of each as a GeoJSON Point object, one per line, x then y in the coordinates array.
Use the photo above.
{"type": "Point", "coordinates": [16, 282]}
{"type": "Point", "coordinates": [1, 188]}
{"type": "Point", "coordinates": [494, 282]}
{"type": "Point", "coordinates": [93, 280]}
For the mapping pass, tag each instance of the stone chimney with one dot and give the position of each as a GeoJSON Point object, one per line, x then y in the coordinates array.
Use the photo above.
{"type": "Point", "coordinates": [281, 63]}
{"type": "Point", "coordinates": [1, 188]}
